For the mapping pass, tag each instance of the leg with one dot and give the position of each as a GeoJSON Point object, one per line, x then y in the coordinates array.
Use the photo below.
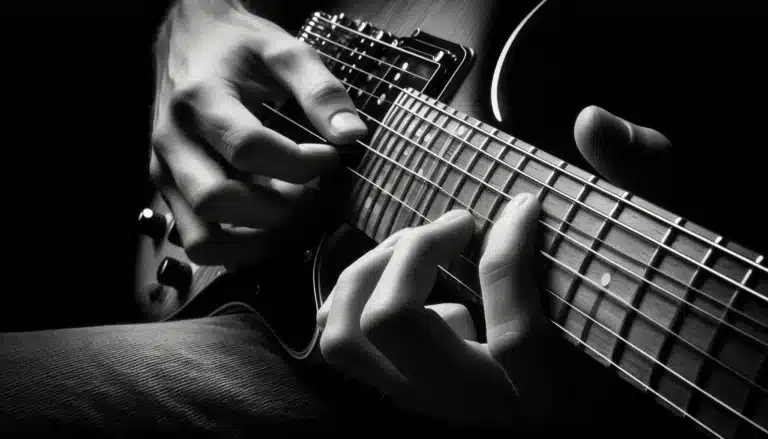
{"type": "Point", "coordinates": [222, 375]}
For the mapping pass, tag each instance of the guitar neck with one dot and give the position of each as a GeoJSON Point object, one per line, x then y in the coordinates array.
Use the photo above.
{"type": "Point", "coordinates": [677, 310]}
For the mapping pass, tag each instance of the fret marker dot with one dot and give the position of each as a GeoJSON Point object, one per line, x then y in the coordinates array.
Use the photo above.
{"type": "Point", "coordinates": [343, 68]}
{"type": "Point", "coordinates": [359, 91]}
{"type": "Point", "coordinates": [370, 77]}
{"type": "Point", "coordinates": [405, 66]}
{"type": "Point", "coordinates": [381, 98]}
{"type": "Point", "coordinates": [397, 76]}
{"type": "Point", "coordinates": [605, 279]}
{"type": "Point", "coordinates": [371, 43]}
{"type": "Point", "coordinates": [461, 129]}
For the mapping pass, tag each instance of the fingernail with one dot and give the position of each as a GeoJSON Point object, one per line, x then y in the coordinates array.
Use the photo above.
{"type": "Point", "coordinates": [523, 198]}
{"type": "Point", "coordinates": [517, 201]}
{"type": "Point", "coordinates": [346, 122]}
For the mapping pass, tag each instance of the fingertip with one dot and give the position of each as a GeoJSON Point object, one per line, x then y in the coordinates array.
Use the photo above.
{"type": "Point", "coordinates": [346, 127]}
{"type": "Point", "coordinates": [596, 129]}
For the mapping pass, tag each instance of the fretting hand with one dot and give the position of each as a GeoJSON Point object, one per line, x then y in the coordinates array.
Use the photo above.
{"type": "Point", "coordinates": [212, 159]}
{"type": "Point", "coordinates": [377, 328]}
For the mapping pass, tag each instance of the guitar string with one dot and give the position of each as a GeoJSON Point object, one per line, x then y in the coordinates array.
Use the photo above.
{"type": "Point", "coordinates": [593, 252]}
{"type": "Point", "coordinates": [583, 278]}
{"type": "Point", "coordinates": [362, 35]}
{"type": "Point", "coordinates": [619, 198]}
{"type": "Point", "coordinates": [594, 320]}
{"type": "Point", "coordinates": [355, 52]}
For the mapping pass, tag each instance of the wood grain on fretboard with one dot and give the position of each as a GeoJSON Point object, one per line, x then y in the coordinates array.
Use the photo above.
{"type": "Point", "coordinates": [649, 306]}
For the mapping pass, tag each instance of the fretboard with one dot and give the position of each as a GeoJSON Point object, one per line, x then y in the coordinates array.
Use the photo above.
{"type": "Point", "coordinates": [678, 310]}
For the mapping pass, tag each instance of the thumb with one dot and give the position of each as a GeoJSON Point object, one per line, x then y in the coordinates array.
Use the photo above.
{"type": "Point", "coordinates": [321, 95]}
{"type": "Point", "coordinates": [634, 157]}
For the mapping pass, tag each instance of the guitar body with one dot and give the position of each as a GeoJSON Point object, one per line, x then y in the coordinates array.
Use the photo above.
{"type": "Point", "coordinates": [535, 65]}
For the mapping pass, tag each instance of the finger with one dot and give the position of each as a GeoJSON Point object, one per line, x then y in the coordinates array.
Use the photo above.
{"type": "Point", "coordinates": [207, 243]}
{"type": "Point", "coordinates": [322, 97]}
{"type": "Point", "coordinates": [216, 113]}
{"type": "Point", "coordinates": [515, 322]}
{"type": "Point", "coordinates": [210, 192]}
{"type": "Point", "coordinates": [457, 317]}
{"type": "Point", "coordinates": [342, 342]}
{"type": "Point", "coordinates": [407, 281]}
{"type": "Point", "coordinates": [418, 342]}
{"type": "Point", "coordinates": [634, 157]}
{"type": "Point", "coordinates": [322, 313]}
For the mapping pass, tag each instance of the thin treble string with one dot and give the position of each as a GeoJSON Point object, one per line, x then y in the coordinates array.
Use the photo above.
{"type": "Point", "coordinates": [354, 51]}
{"type": "Point", "coordinates": [627, 342]}
{"type": "Point", "coordinates": [587, 183]}
{"type": "Point", "coordinates": [649, 356]}
{"type": "Point", "coordinates": [576, 273]}
{"type": "Point", "coordinates": [375, 41]}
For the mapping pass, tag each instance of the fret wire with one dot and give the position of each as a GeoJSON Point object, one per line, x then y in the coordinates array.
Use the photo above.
{"type": "Point", "coordinates": [546, 255]}
{"type": "Point", "coordinates": [493, 211]}
{"type": "Point", "coordinates": [457, 188]}
{"type": "Point", "coordinates": [599, 235]}
{"type": "Point", "coordinates": [431, 172]}
{"type": "Point", "coordinates": [626, 342]}
{"type": "Point", "coordinates": [484, 179]}
{"type": "Point", "coordinates": [409, 159]}
{"type": "Point", "coordinates": [444, 175]}
{"type": "Point", "coordinates": [434, 176]}
{"type": "Point", "coordinates": [561, 234]}
{"type": "Point", "coordinates": [628, 374]}
{"type": "Point", "coordinates": [400, 147]}
{"type": "Point", "coordinates": [408, 52]}
{"type": "Point", "coordinates": [640, 208]}
{"type": "Point", "coordinates": [397, 180]}
{"type": "Point", "coordinates": [640, 292]}
{"type": "Point", "coordinates": [369, 56]}
{"type": "Point", "coordinates": [387, 139]}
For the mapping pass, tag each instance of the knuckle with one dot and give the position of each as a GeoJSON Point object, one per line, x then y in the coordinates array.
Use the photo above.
{"type": "Point", "coordinates": [380, 316]}
{"type": "Point", "coordinates": [328, 90]}
{"type": "Point", "coordinates": [336, 343]}
{"type": "Point", "coordinates": [162, 138]}
{"type": "Point", "coordinates": [419, 244]}
{"type": "Point", "coordinates": [287, 53]}
{"type": "Point", "coordinates": [184, 100]}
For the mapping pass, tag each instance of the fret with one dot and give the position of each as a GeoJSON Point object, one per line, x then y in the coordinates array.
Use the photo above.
{"type": "Point", "coordinates": [560, 280]}
{"type": "Point", "coordinates": [605, 310]}
{"type": "Point", "coordinates": [439, 198]}
{"type": "Point", "coordinates": [386, 140]}
{"type": "Point", "coordinates": [426, 134]}
{"type": "Point", "coordinates": [498, 178]}
{"type": "Point", "coordinates": [366, 164]}
{"type": "Point", "coordinates": [438, 141]}
{"type": "Point", "coordinates": [415, 155]}
{"type": "Point", "coordinates": [408, 150]}
{"type": "Point", "coordinates": [484, 198]}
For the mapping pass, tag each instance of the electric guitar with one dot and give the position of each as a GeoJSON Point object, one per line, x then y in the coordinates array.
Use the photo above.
{"type": "Point", "coordinates": [676, 310]}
